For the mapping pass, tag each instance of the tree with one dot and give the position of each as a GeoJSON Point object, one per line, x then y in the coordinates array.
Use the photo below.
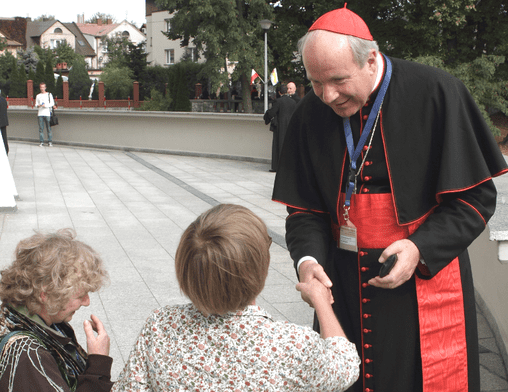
{"type": "Point", "coordinates": [117, 82]}
{"type": "Point", "coordinates": [49, 75]}
{"type": "Point", "coordinates": [7, 62]}
{"type": "Point", "coordinates": [40, 77]}
{"type": "Point", "coordinates": [18, 82]}
{"type": "Point", "coordinates": [65, 54]}
{"type": "Point", "coordinates": [59, 86]}
{"type": "Point", "coordinates": [3, 43]}
{"type": "Point", "coordinates": [179, 92]}
{"type": "Point", "coordinates": [157, 102]}
{"type": "Point", "coordinates": [30, 57]}
{"type": "Point", "coordinates": [79, 80]}
{"type": "Point", "coordinates": [222, 31]}
{"type": "Point", "coordinates": [44, 18]}
{"type": "Point", "coordinates": [101, 16]}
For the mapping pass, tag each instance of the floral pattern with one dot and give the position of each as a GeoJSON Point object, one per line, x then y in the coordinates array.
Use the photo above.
{"type": "Point", "coordinates": [180, 349]}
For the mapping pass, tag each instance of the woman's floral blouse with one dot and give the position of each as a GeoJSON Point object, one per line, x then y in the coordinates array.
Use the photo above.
{"type": "Point", "coordinates": [179, 349]}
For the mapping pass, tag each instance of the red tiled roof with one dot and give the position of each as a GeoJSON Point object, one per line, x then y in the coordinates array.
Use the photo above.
{"type": "Point", "coordinates": [95, 29]}
{"type": "Point", "coordinates": [14, 29]}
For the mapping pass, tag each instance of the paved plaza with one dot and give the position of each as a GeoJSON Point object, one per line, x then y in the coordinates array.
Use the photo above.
{"type": "Point", "coordinates": [132, 208]}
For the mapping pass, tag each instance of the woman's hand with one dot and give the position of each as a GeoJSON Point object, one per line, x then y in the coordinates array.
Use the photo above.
{"type": "Point", "coordinates": [96, 344]}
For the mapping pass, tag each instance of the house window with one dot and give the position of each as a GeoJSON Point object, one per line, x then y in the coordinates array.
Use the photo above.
{"type": "Point", "coordinates": [191, 54]}
{"type": "Point", "coordinates": [125, 34]}
{"type": "Point", "coordinates": [170, 56]}
{"type": "Point", "coordinates": [58, 30]}
{"type": "Point", "coordinates": [55, 43]}
{"type": "Point", "coordinates": [168, 25]}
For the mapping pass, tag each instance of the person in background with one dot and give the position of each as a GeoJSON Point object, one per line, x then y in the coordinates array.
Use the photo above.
{"type": "Point", "coordinates": [223, 340]}
{"type": "Point", "coordinates": [4, 122]}
{"type": "Point", "coordinates": [40, 291]}
{"type": "Point", "coordinates": [389, 159]}
{"type": "Point", "coordinates": [278, 117]}
{"type": "Point", "coordinates": [292, 92]}
{"type": "Point", "coordinates": [44, 102]}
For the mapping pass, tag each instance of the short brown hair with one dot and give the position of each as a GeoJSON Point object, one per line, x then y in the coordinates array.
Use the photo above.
{"type": "Point", "coordinates": [56, 264]}
{"type": "Point", "coordinates": [222, 259]}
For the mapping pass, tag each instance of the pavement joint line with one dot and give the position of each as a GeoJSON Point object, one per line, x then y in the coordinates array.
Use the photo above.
{"type": "Point", "coordinates": [276, 237]}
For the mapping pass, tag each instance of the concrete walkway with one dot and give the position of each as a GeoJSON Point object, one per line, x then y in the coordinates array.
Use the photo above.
{"type": "Point", "coordinates": [133, 207]}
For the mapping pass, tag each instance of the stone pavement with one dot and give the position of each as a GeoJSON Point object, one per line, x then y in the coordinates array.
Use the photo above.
{"type": "Point", "coordinates": [133, 207]}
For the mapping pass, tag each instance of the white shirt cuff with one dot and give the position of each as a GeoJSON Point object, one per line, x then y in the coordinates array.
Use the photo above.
{"type": "Point", "coordinates": [304, 258]}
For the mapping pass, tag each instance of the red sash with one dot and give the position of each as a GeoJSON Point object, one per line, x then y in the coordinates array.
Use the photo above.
{"type": "Point", "coordinates": [440, 299]}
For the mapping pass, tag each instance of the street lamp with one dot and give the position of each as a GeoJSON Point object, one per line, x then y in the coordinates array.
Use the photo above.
{"type": "Point", "coordinates": [265, 25]}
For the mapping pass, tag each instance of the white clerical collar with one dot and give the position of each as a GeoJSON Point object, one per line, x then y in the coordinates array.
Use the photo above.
{"type": "Point", "coordinates": [380, 70]}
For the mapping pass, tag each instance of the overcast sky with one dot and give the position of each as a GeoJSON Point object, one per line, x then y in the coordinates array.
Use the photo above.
{"type": "Point", "coordinates": [67, 11]}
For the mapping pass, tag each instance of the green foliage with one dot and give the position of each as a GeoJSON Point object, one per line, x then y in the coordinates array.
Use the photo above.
{"type": "Point", "coordinates": [65, 54]}
{"type": "Point", "coordinates": [157, 102]}
{"type": "Point", "coordinates": [7, 61]}
{"type": "Point", "coordinates": [31, 57]}
{"type": "Point", "coordinates": [118, 48]}
{"type": "Point", "coordinates": [479, 76]}
{"type": "Point", "coordinates": [101, 16]}
{"type": "Point", "coordinates": [117, 82]}
{"type": "Point", "coordinates": [50, 75]}
{"type": "Point", "coordinates": [59, 87]}
{"type": "Point", "coordinates": [155, 77]}
{"type": "Point", "coordinates": [40, 77]}
{"type": "Point", "coordinates": [222, 30]}
{"type": "Point", "coordinates": [18, 82]}
{"type": "Point", "coordinates": [31, 74]}
{"type": "Point", "coordinates": [44, 18]}
{"type": "Point", "coordinates": [178, 89]}
{"type": "Point", "coordinates": [3, 43]}
{"type": "Point", "coordinates": [79, 81]}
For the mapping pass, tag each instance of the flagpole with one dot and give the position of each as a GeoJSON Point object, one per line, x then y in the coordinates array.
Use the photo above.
{"type": "Point", "coordinates": [265, 25]}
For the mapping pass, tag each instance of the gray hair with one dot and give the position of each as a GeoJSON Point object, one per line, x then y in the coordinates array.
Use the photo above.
{"type": "Point", "coordinates": [360, 47]}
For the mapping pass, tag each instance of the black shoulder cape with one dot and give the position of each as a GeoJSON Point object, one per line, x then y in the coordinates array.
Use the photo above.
{"type": "Point", "coordinates": [436, 142]}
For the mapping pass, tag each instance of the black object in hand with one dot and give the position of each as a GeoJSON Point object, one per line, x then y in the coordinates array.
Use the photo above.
{"type": "Point", "coordinates": [387, 266]}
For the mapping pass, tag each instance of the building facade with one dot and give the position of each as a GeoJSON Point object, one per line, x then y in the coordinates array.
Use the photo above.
{"type": "Point", "coordinates": [160, 49]}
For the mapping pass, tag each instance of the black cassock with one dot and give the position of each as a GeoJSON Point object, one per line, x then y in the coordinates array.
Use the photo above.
{"type": "Point", "coordinates": [282, 110]}
{"type": "Point", "coordinates": [431, 164]}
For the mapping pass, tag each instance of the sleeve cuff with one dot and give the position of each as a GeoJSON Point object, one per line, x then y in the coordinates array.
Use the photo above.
{"type": "Point", "coordinates": [304, 258]}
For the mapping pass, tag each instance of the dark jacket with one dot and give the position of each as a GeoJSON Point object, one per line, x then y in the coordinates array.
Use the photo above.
{"type": "Point", "coordinates": [3, 113]}
{"type": "Point", "coordinates": [28, 365]}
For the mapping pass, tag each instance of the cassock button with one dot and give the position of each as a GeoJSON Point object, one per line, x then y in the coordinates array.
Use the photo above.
{"type": "Point", "coordinates": [362, 253]}
{"type": "Point", "coordinates": [365, 148]}
{"type": "Point", "coordinates": [368, 375]}
{"type": "Point", "coordinates": [366, 315]}
{"type": "Point", "coordinates": [367, 345]}
{"type": "Point", "coordinates": [367, 178]}
{"type": "Point", "coordinates": [369, 390]}
{"type": "Point", "coordinates": [365, 190]}
{"type": "Point", "coordinates": [365, 300]}
{"type": "Point", "coordinates": [365, 330]}
{"type": "Point", "coordinates": [365, 117]}
{"type": "Point", "coordinates": [368, 360]}
{"type": "Point", "coordinates": [364, 285]}
{"type": "Point", "coordinates": [368, 163]}
{"type": "Point", "coordinates": [364, 269]}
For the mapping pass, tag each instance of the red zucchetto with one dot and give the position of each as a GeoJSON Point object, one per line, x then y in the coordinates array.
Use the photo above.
{"type": "Point", "coordinates": [343, 21]}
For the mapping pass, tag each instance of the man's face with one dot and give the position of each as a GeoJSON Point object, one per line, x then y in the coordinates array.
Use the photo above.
{"type": "Point", "coordinates": [291, 88]}
{"type": "Point", "coordinates": [336, 78]}
{"type": "Point", "coordinates": [42, 88]}
{"type": "Point", "coordinates": [77, 301]}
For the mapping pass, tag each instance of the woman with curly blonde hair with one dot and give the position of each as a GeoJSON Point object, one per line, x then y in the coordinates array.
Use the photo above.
{"type": "Point", "coordinates": [40, 291]}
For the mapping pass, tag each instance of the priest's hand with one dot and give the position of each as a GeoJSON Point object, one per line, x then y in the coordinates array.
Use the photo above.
{"type": "Point", "coordinates": [310, 270]}
{"type": "Point", "coordinates": [408, 257]}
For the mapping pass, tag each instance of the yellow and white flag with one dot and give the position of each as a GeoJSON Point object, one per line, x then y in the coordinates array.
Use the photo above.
{"type": "Point", "coordinates": [273, 77]}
